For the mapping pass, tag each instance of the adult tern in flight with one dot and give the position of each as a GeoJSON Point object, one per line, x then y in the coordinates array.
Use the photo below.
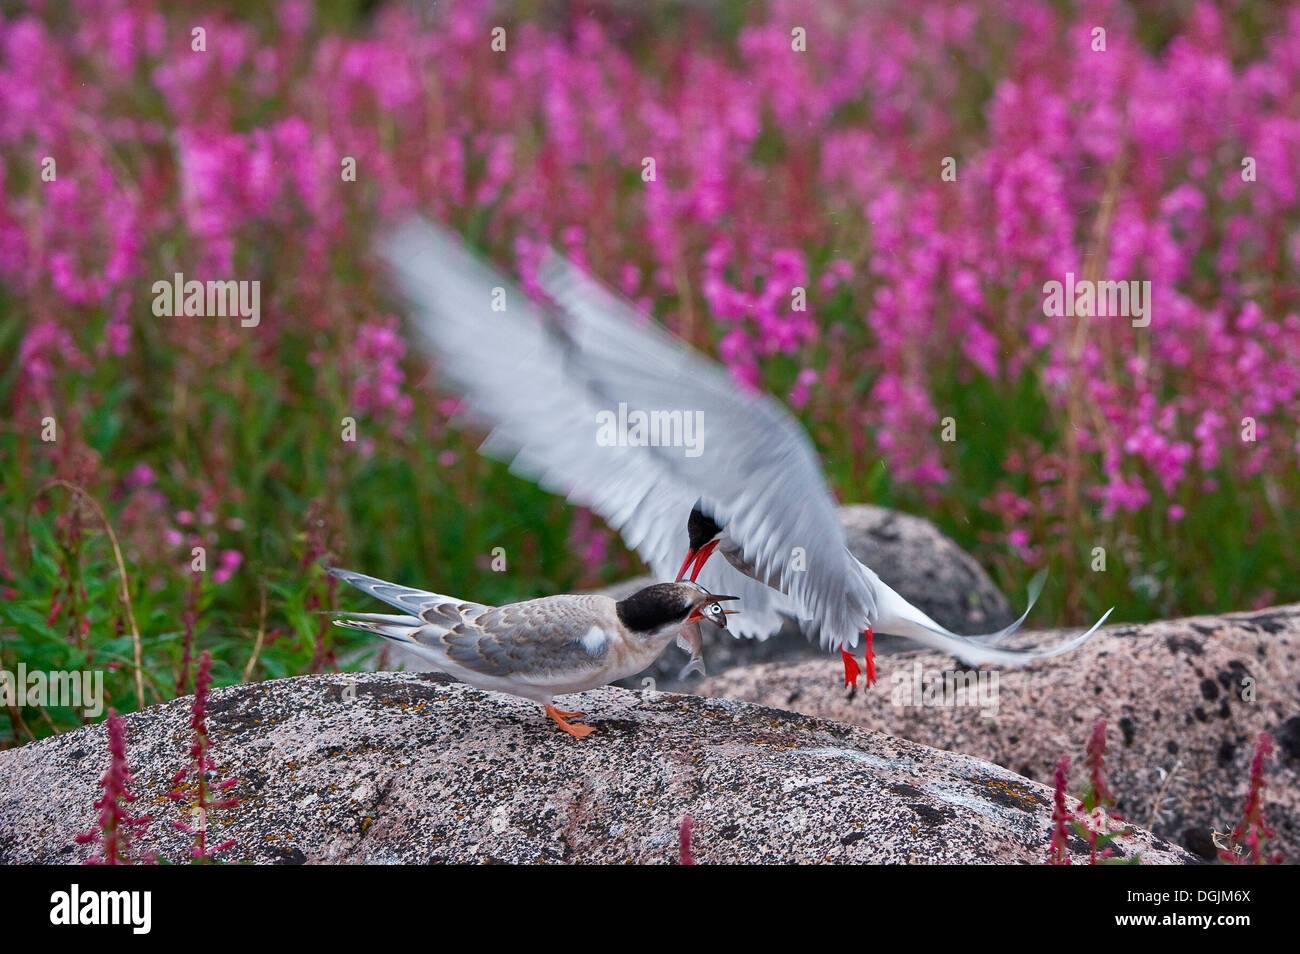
{"type": "Point", "coordinates": [545, 379]}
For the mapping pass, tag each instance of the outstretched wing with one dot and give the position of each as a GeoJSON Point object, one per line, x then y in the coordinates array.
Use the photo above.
{"type": "Point", "coordinates": [757, 473]}
{"type": "Point", "coordinates": [541, 384]}
{"type": "Point", "coordinates": [528, 385]}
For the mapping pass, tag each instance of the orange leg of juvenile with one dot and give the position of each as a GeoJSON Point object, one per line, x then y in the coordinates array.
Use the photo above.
{"type": "Point", "coordinates": [566, 714]}
{"type": "Point", "coordinates": [577, 731]}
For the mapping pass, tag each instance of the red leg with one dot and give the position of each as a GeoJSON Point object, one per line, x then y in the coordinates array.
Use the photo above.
{"type": "Point", "coordinates": [870, 660]}
{"type": "Point", "coordinates": [851, 669]}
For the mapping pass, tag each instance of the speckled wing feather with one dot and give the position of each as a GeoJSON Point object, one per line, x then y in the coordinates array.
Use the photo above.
{"type": "Point", "coordinates": [518, 640]}
{"type": "Point", "coordinates": [534, 638]}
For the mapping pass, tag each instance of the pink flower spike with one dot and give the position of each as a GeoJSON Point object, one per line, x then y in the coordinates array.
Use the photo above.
{"type": "Point", "coordinates": [201, 767]}
{"type": "Point", "coordinates": [116, 828]}
{"type": "Point", "coordinates": [684, 854]}
{"type": "Point", "coordinates": [1252, 831]}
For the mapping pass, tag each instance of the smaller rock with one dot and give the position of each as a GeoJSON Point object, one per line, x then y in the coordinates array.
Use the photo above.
{"type": "Point", "coordinates": [1184, 702]}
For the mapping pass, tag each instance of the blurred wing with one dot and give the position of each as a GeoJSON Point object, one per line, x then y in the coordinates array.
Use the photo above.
{"type": "Point", "coordinates": [515, 377]}
{"type": "Point", "coordinates": [756, 472]}
{"type": "Point", "coordinates": [541, 388]}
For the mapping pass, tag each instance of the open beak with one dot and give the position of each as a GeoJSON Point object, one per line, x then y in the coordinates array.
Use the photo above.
{"type": "Point", "coordinates": [698, 558]}
{"type": "Point", "coordinates": [696, 615]}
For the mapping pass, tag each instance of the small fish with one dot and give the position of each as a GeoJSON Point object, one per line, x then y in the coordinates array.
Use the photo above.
{"type": "Point", "coordinates": [691, 640]}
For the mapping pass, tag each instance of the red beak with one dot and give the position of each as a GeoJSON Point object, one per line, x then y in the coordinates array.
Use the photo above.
{"type": "Point", "coordinates": [699, 558]}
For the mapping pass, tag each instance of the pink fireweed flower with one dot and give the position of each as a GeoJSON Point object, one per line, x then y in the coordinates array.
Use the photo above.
{"type": "Point", "coordinates": [685, 856]}
{"type": "Point", "coordinates": [802, 390]}
{"type": "Point", "coordinates": [227, 563]}
{"type": "Point", "coordinates": [44, 347]}
{"type": "Point", "coordinates": [588, 539]}
{"type": "Point", "coordinates": [200, 769]}
{"type": "Point", "coordinates": [141, 475]}
{"type": "Point", "coordinates": [116, 828]}
{"type": "Point", "coordinates": [379, 381]}
{"type": "Point", "coordinates": [1252, 833]}
{"type": "Point", "coordinates": [1058, 853]}
{"type": "Point", "coordinates": [1019, 541]}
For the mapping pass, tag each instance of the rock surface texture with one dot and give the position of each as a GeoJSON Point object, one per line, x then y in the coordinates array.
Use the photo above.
{"type": "Point", "coordinates": [405, 767]}
{"type": "Point", "coordinates": [1173, 694]}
